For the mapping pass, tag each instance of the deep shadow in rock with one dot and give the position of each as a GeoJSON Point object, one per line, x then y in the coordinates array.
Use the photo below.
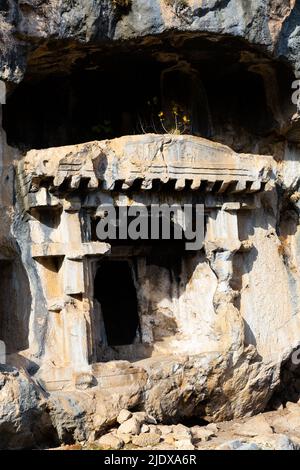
{"type": "Point", "coordinates": [288, 388]}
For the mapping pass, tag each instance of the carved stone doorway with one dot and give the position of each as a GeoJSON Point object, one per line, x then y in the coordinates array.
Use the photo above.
{"type": "Point", "coordinates": [115, 291]}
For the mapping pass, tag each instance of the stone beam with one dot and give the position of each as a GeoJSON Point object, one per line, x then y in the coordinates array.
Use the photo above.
{"type": "Point", "coordinates": [70, 251]}
{"type": "Point", "coordinates": [186, 161]}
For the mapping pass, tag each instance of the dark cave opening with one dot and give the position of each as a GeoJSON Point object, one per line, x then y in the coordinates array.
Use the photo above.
{"type": "Point", "coordinates": [114, 289]}
{"type": "Point", "coordinates": [15, 305]}
{"type": "Point", "coordinates": [202, 88]}
{"type": "Point", "coordinates": [288, 388]}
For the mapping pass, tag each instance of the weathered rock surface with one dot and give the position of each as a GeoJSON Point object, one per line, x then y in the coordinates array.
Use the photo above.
{"type": "Point", "coordinates": [229, 436]}
{"type": "Point", "coordinates": [110, 441]}
{"type": "Point", "coordinates": [24, 420]}
{"type": "Point", "coordinates": [124, 415]}
{"type": "Point", "coordinates": [269, 24]}
{"type": "Point", "coordinates": [254, 427]}
{"type": "Point", "coordinates": [219, 332]}
{"type": "Point", "coordinates": [146, 440]}
{"type": "Point", "coordinates": [203, 433]}
{"type": "Point", "coordinates": [184, 444]}
{"type": "Point", "coordinates": [131, 426]}
{"type": "Point", "coordinates": [181, 432]}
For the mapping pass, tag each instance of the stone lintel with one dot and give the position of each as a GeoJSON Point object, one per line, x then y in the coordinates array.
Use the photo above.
{"type": "Point", "coordinates": [69, 250]}
{"type": "Point", "coordinates": [184, 162]}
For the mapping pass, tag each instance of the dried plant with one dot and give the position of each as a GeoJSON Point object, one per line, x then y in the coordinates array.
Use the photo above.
{"type": "Point", "coordinates": [177, 122]}
{"type": "Point", "coordinates": [173, 120]}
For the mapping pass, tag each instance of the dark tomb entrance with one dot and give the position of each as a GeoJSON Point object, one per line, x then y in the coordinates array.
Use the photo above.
{"type": "Point", "coordinates": [115, 291]}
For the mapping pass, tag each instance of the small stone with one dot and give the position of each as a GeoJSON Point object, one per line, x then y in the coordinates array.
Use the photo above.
{"type": "Point", "coordinates": [213, 427]}
{"type": "Point", "coordinates": [144, 417]}
{"type": "Point", "coordinates": [140, 416]}
{"type": "Point", "coordinates": [254, 427]}
{"type": "Point", "coordinates": [185, 444]}
{"type": "Point", "coordinates": [150, 419]}
{"type": "Point", "coordinates": [276, 442]}
{"type": "Point", "coordinates": [125, 437]}
{"type": "Point", "coordinates": [231, 445]}
{"type": "Point", "coordinates": [154, 428]}
{"type": "Point", "coordinates": [110, 441]}
{"type": "Point", "coordinates": [202, 433]}
{"type": "Point", "coordinates": [181, 432]}
{"type": "Point", "coordinates": [123, 416]}
{"type": "Point", "coordinates": [163, 446]}
{"type": "Point", "coordinates": [145, 428]}
{"type": "Point", "coordinates": [131, 426]}
{"type": "Point", "coordinates": [165, 430]}
{"type": "Point", "coordinates": [169, 439]}
{"type": "Point", "coordinates": [146, 440]}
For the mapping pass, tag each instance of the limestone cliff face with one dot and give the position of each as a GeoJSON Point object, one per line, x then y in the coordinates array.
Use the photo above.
{"type": "Point", "coordinates": [89, 117]}
{"type": "Point", "coordinates": [29, 26]}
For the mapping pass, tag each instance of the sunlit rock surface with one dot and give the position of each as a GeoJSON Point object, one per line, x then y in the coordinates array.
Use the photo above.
{"type": "Point", "coordinates": [147, 102]}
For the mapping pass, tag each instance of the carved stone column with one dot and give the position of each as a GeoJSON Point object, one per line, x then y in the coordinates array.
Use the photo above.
{"type": "Point", "coordinates": [222, 242]}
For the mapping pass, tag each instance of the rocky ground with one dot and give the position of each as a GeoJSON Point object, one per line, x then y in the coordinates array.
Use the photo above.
{"type": "Point", "coordinates": [28, 420]}
{"type": "Point", "coordinates": [274, 430]}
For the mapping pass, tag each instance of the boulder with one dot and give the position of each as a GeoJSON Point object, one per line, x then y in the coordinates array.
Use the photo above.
{"type": "Point", "coordinates": [165, 429]}
{"type": "Point", "coordinates": [146, 440]}
{"type": "Point", "coordinates": [24, 417]}
{"type": "Point", "coordinates": [184, 444]}
{"type": "Point", "coordinates": [145, 428]}
{"type": "Point", "coordinates": [144, 417]}
{"type": "Point", "coordinates": [131, 426]}
{"type": "Point", "coordinates": [124, 415]}
{"type": "Point", "coordinates": [110, 441]}
{"type": "Point", "coordinates": [181, 432]}
{"type": "Point", "coordinates": [202, 433]}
